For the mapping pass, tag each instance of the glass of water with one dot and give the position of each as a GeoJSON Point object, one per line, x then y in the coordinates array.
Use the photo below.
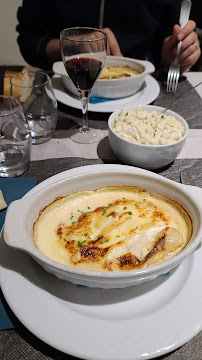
{"type": "Point", "coordinates": [35, 92]}
{"type": "Point", "coordinates": [15, 139]}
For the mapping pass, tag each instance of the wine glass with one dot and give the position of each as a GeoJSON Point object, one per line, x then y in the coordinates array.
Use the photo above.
{"type": "Point", "coordinates": [83, 53]}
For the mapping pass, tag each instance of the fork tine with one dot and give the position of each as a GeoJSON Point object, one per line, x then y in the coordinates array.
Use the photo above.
{"type": "Point", "coordinates": [170, 80]}
{"type": "Point", "coordinates": [173, 82]}
{"type": "Point", "coordinates": [176, 81]}
{"type": "Point", "coordinates": [168, 83]}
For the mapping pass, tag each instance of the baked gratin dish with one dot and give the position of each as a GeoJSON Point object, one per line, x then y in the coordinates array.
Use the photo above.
{"type": "Point", "coordinates": [117, 72]}
{"type": "Point", "coordinates": [112, 229]}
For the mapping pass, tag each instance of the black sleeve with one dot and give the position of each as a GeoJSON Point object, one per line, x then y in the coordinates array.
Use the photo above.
{"type": "Point", "coordinates": [42, 20]}
{"type": "Point", "coordinates": [34, 28]}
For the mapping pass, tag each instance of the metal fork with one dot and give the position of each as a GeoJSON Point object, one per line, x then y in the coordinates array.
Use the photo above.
{"type": "Point", "coordinates": [174, 70]}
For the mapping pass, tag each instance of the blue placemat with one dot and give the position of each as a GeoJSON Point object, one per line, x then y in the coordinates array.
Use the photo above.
{"type": "Point", "coordinates": [13, 189]}
{"type": "Point", "coordinates": [96, 100]}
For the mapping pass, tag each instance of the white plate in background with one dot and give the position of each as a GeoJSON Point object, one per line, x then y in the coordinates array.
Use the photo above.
{"type": "Point", "coordinates": [146, 95]}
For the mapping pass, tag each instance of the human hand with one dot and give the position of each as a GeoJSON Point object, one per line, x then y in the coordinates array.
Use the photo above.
{"type": "Point", "coordinates": [190, 48]}
{"type": "Point", "coordinates": [54, 53]}
{"type": "Point", "coordinates": [112, 43]}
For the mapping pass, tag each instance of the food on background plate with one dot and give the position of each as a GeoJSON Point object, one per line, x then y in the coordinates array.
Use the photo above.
{"type": "Point", "coordinates": [148, 128]}
{"type": "Point", "coordinates": [112, 229]}
{"type": "Point", "coordinates": [117, 72]}
{"type": "Point", "coordinates": [3, 204]}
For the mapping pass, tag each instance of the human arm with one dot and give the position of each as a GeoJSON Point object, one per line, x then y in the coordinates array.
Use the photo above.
{"type": "Point", "coordinates": [53, 47]}
{"type": "Point", "coordinates": [112, 43]}
{"type": "Point", "coordinates": [33, 27]}
{"type": "Point", "coordinates": [190, 49]}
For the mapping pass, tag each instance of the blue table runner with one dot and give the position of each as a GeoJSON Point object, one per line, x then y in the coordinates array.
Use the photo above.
{"type": "Point", "coordinates": [13, 189]}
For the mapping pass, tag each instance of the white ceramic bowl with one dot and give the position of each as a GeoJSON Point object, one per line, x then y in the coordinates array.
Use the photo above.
{"type": "Point", "coordinates": [22, 214]}
{"type": "Point", "coordinates": [111, 88]}
{"type": "Point", "coordinates": [145, 156]}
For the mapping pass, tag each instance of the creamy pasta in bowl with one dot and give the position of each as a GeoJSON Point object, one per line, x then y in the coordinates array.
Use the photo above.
{"type": "Point", "coordinates": [147, 137]}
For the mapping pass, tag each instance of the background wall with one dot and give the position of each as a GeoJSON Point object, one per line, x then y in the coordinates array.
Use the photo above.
{"type": "Point", "coordinates": [9, 50]}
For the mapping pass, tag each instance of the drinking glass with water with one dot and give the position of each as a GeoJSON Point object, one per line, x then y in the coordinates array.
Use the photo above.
{"type": "Point", "coordinates": [15, 139]}
{"type": "Point", "coordinates": [35, 92]}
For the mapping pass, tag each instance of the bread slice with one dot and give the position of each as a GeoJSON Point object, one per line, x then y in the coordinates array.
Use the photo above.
{"type": "Point", "coordinates": [23, 84]}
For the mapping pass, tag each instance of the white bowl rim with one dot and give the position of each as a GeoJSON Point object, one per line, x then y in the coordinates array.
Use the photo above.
{"type": "Point", "coordinates": [147, 273]}
{"type": "Point", "coordinates": [143, 63]}
{"type": "Point", "coordinates": [183, 121]}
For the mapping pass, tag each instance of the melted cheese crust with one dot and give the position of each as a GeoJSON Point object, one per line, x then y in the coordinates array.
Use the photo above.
{"type": "Point", "coordinates": [117, 72]}
{"type": "Point", "coordinates": [112, 229]}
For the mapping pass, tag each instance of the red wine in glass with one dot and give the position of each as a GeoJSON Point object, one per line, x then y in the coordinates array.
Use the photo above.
{"type": "Point", "coordinates": [83, 71]}
{"type": "Point", "coordinates": [83, 53]}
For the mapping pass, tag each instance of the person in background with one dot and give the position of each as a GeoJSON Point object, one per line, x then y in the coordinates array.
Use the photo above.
{"type": "Point", "coordinates": [146, 29]}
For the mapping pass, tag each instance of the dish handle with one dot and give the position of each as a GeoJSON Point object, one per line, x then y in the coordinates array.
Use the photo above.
{"type": "Point", "coordinates": [15, 232]}
{"type": "Point", "coordinates": [59, 69]}
{"type": "Point", "coordinates": [195, 193]}
{"type": "Point", "coordinates": [149, 67]}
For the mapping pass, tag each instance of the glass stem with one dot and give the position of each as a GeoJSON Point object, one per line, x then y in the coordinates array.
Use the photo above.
{"type": "Point", "coordinates": [84, 96]}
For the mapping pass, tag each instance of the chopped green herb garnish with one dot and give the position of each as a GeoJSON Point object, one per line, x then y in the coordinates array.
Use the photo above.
{"type": "Point", "coordinates": [104, 240]}
{"type": "Point", "coordinates": [126, 114]}
{"type": "Point", "coordinates": [88, 207]}
{"type": "Point", "coordinates": [73, 222]}
{"type": "Point", "coordinates": [71, 217]}
{"type": "Point", "coordinates": [130, 213]}
{"type": "Point", "coordinates": [104, 212]}
{"type": "Point", "coordinates": [80, 243]}
{"type": "Point", "coordinates": [123, 198]}
{"type": "Point", "coordinates": [88, 237]}
{"type": "Point", "coordinates": [136, 204]}
{"type": "Point", "coordinates": [110, 204]}
{"type": "Point", "coordinates": [144, 199]}
{"type": "Point", "coordinates": [118, 235]}
{"type": "Point", "coordinates": [162, 116]}
{"type": "Point", "coordinates": [124, 208]}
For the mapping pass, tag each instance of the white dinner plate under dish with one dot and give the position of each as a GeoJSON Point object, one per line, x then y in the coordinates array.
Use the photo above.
{"type": "Point", "coordinates": [146, 95]}
{"type": "Point", "coordinates": [135, 323]}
